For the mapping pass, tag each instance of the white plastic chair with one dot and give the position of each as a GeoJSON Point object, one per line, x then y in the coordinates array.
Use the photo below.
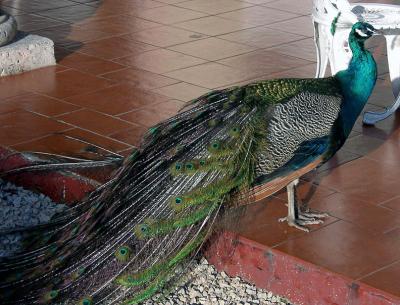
{"type": "Point", "coordinates": [383, 17]}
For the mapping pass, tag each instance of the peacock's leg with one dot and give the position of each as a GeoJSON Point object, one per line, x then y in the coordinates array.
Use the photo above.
{"type": "Point", "coordinates": [296, 217]}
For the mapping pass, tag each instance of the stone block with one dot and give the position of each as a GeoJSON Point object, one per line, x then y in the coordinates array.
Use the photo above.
{"type": "Point", "coordinates": [26, 53]}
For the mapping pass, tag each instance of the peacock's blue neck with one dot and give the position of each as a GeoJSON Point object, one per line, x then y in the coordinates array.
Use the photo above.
{"type": "Point", "coordinates": [357, 83]}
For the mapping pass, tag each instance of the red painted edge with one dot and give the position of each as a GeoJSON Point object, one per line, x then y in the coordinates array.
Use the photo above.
{"type": "Point", "coordinates": [61, 187]}
{"type": "Point", "coordinates": [299, 281]}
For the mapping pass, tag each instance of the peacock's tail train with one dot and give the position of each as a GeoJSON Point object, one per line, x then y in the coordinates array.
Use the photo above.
{"type": "Point", "coordinates": [134, 235]}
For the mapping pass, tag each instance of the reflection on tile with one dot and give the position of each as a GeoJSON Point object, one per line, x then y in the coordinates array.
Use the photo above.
{"type": "Point", "coordinates": [213, 25]}
{"type": "Point", "coordinates": [261, 37]}
{"type": "Point", "coordinates": [164, 36]}
{"type": "Point", "coordinates": [257, 15]}
{"type": "Point", "coordinates": [168, 14]}
{"type": "Point", "coordinates": [212, 48]}
{"type": "Point", "coordinates": [182, 91]}
{"type": "Point", "coordinates": [301, 26]}
{"type": "Point", "coordinates": [210, 75]}
{"type": "Point", "coordinates": [212, 6]}
{"type": "Point", "coordinates": [160, 61]}
{"type": "Point", "coordinates": [140, 78]}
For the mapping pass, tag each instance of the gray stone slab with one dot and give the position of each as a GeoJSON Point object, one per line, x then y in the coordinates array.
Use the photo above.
{"type": "Point", "coordinates": [26, 53]}
{"type": "Point", "coordinates": [8, 28]}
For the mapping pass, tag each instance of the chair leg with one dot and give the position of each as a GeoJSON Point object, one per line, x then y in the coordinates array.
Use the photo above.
{"type": "Point", "coordinates": [322, 48]}
{"type": "Point", "coordinates": [393, 55]}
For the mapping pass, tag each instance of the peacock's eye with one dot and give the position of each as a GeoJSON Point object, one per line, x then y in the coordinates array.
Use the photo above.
{"type": "Point", "coordinates": [178, 166]}
{"type": "Point", "coordinates": [178, 200]}
{"type": "Point", "coordinates": [189, 166]}
{"type": "Point", "coordinates": [53, 294]}
{"type": "Point", "coordinates": [215, 145]}
{"type": "Point", "coordinates": [143, 228]}
{"type": "Point", "coordinates": [202, 162]}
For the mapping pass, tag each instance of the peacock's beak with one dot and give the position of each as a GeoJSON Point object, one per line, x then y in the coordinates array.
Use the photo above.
{"type": "Point", "coordinates": [377, 32]}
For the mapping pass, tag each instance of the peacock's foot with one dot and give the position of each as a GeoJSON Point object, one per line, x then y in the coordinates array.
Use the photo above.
{"type": "Point", "coordinates": [305, 218]}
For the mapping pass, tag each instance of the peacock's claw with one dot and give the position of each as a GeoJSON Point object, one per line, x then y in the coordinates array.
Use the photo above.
{"type": "Point", "coordinates": [296, 223]}
{"type": "Point", "coordinates": [313, 214]}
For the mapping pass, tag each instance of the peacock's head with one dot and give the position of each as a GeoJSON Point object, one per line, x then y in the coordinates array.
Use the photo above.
{"type": "Point", "coordinates": [362, 31]}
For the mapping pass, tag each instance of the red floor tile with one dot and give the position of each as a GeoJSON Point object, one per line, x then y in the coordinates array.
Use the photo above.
{"type": "Point", "coordinates": [369, 217]}
{"type": "Point", "coordinates": [22, 126]}
{"type": "Point", "coordinates": [62, 84]}
{"type": "Point", "coordinates": [117, 25]}
{"type": "Point", "coordinates": [40, 104]}
{"type": "Point", "coordinates": [211, 75]}
{"type": "Point", "coordinates": [95, 122]}
{"type": "Point", "coordinates": [66, 145]}
{"type": "Point", "coordinates": [344, 248]}
{"type": "Point", "coordinates": [132, 136]}
{"type": "Point", "coordinates": [32, 22]}
{"type": "Point", "coordinates": [261, 37]}
{"type": "Point", "coordinates": [258, 15]}
{"type": "Point", "coordinates": [300, 26]}
{"type": "Point", "coordinates": [97, 140]}
{"type": "Point", "coordinates": [116, 99]}
{"type": "Point", "coordinates": [182, 91]}
{"type": "Point", "coordinates": [145, 117]}
{"type": "Point", "coordinates": [89, 64]}
{"type": "Point", "coordinates": [385, 279]}
{"type": "Point", "coordinates": [160, 61]}
{"type": "Point", "coordinates": [369, 180]}
{"type": "Point", "coordinates": [37, 5]}
{"type": "Point", "coordinates": [264, 62]}
{"type": "Point", "coordinates": [304, 49]}
{"type": "Point", "coordinates": [213, 7]}
{"type": "Point", "coordinates": [212, 48]}
{"type": "Point", "coordinates": [105, 48]}
{"type": "Point", "coordinates": [269, 230]}
{"type": "Point", "coordinates": [164, 36]}
{"type": "Point", "coordinates": [213, 25]}
{"type": "Point", "coordinates": [393, 204]}
{"type": "Point", "coordinates": [298, 7]}
{"type": "Point", "coordinates": [140, 78]}
{"type": "Point", "coordinates": [71, 36]}
{"type": "Point", "coordinates": [168, 14]}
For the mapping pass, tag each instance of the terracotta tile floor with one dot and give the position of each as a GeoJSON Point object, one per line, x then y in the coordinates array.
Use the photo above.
{"type": "Point", "coordinates": [123, 65]}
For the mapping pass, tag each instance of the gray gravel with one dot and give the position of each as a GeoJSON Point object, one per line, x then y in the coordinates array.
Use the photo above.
{"type": "Point", "coordinates": [205, 285]}
{"type": "Point", "coordinates": [20, 208]}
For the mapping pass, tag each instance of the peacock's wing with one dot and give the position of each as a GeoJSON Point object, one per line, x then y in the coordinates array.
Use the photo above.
{"type": "Point", "coordinates": [152, 216]}
{"type": "Point", "coordinates": [303, 130]}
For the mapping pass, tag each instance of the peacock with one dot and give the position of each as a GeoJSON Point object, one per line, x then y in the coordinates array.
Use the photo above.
{"type": "Point", "coordinates": [137, 233]}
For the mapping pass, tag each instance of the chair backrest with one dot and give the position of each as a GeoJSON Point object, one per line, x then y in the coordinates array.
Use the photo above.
{"type": "Point", "coordinates": [325, 10]}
